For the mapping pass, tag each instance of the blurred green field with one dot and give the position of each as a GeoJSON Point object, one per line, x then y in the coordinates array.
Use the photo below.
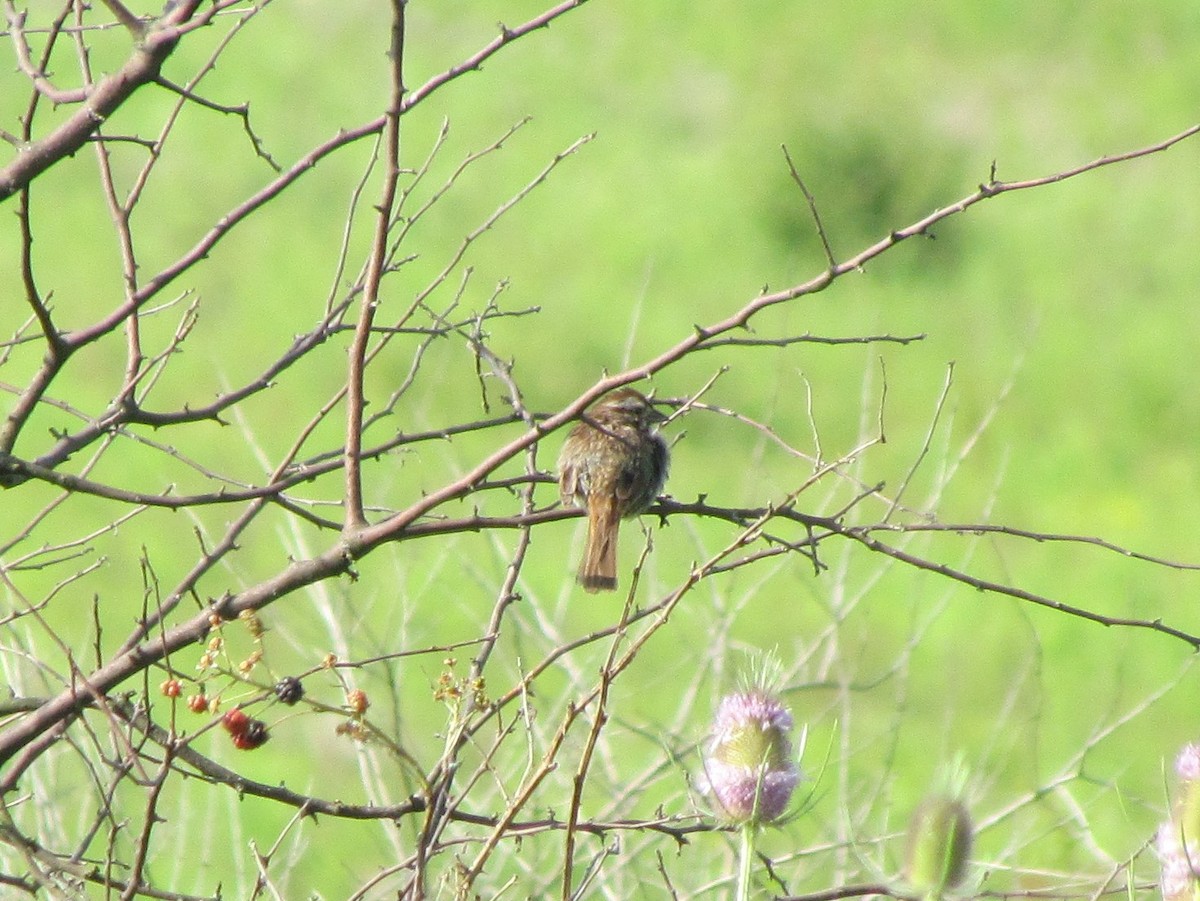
{"type": "Point", "coordinates": [1068, 314]}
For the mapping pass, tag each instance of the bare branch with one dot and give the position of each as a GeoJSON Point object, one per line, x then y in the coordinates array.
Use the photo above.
{"type": "Point", "coordinates": [812, 209]}
{"type": "Point", "coordinates": [476, 61]}
{"type": "Point", "coordinates": [354, 515]}
{"type": "Point", "coordinates": [156, 43]}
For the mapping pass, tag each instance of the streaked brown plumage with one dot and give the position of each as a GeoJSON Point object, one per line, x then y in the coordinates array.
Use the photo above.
{"type": "Point", "coordinates": [614, 463]}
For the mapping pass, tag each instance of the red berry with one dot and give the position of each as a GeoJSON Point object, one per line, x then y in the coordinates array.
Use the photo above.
{"type": "Point", "coordinates": [255, 735]}
{"type": "Point", "coordinates": [171, 688]}
{"type": "Point", "coordinates": [235, 722]}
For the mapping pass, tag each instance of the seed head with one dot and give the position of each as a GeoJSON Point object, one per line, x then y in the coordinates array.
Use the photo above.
{"type": "Point", "coordinates": [750, 767]}
{"type": "Point", "coordinates": [939, 846]}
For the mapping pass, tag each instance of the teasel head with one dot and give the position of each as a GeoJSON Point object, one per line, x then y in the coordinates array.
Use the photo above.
{"type": "Point", "coordinates": [750, 766]}
{"type": "Point", "coordinates": [940, 836]}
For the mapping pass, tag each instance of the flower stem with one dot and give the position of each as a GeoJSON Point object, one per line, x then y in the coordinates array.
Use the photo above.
{"type": "Point", "coordinates": [749, 833]}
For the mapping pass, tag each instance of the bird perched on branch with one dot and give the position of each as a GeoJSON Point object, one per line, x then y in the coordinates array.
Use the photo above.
{"type": "Point", "coordinates": [613, 463]}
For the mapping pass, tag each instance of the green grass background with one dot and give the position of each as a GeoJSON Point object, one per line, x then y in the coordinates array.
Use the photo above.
{"type": "Point", "coordinates": [1068, 313]}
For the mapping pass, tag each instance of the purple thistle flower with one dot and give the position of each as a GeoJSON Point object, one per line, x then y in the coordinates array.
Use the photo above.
{"type": "Point", "coordinates": [1187, 764]}
{"type": "Point", "coordinates": [753, 704]}
{"type": "Point", "coordinates": [750, 768]}
{"type": "Point", "coordinates": [1178, 840]}
{"type": "Point", "coordinates": [1180, 866]}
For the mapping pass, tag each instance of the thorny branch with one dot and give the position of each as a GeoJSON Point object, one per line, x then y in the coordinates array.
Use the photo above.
{"type": "Point", "coordinates": [355, 517]}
